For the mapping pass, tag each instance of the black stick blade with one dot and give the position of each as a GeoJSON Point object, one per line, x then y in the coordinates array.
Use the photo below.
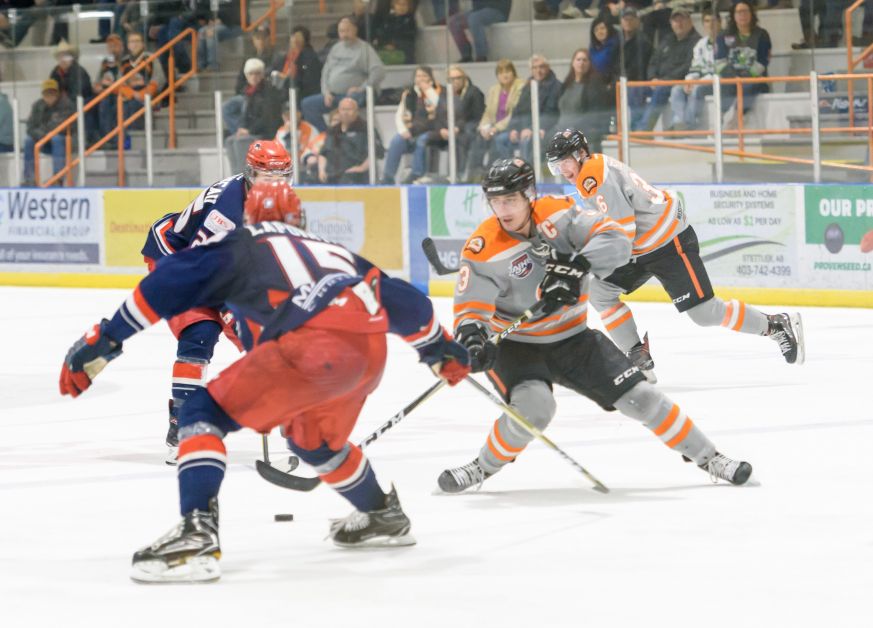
{"type": "Point", "coordinates": [428, 246]}
{"type": "Point", "coordinates": [285, 480]}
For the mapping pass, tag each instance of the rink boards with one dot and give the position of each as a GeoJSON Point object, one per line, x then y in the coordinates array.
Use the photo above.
{"type": "Point", "coordinates": [765, 243]}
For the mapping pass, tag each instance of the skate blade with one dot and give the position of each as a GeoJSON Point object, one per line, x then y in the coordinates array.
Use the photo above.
{"type": "Point", "coordinates": [172, 455]}
{"type": "Point", "coordinates": [197, 570]}
{"type": "Point", "coordinates": [797, 325]}
{"type": "Point", "coordinates": [380, 542]}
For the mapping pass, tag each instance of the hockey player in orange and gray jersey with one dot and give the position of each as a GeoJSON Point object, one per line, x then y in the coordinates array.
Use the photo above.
{"type": "Point", "coordinates": [664, 246]}
{"type": "Point", "coordinates": [548, 248]}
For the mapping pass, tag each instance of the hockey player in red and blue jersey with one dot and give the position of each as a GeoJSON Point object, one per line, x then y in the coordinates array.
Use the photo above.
{"type": "Point", "coordinates": [216, 209]}
{"type": "Point", "coordinates": [313, 318]}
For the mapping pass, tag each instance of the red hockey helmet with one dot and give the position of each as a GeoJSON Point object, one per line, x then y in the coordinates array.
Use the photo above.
{"type": "Point", "coordinates": [267, 158]}
{"type": "Point", "coordinates": [273, 201]}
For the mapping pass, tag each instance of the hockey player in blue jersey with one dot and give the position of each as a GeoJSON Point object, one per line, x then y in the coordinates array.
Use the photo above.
{"type": "Point", "coordinates": [216, 209]}
{"type": "Point", "coordinates": [313, 317]}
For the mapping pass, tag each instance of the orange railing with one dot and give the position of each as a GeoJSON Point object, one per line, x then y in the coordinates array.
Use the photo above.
{"type": "Point", "coordinates": [118, 131]}
{"type": "Point", "coordinates": [647, 137]}
{"type": "Point", "coordinates": [270, 16]}
{"type": "Point", "coordinates": [851, 60]}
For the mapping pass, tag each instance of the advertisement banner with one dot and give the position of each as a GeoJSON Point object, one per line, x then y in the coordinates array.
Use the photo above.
{"type": "Point", "coordinates": [838, 237]}
{"type": "Point", "coordinates": [129, 215]}
{"type": "Point", "coordinates": [55, 226]}
{"type": "Point", "coordinates": [747, 233]}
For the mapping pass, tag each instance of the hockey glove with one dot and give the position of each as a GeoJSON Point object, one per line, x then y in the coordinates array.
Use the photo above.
{"type": "Point", "coordinates": [86, 358]}
{"type": "Point", "coordinates": [482, 352]}
{"type": "Point", "coordinates": [562, 283]}
{"type": "Point", "coordinates": [447, 358]}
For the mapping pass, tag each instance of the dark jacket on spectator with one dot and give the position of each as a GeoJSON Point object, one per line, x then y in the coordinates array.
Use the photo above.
{"type": "Point", "coordinates": [73, 82]}
{"type": "Point", "coordinates": [228, 12]}
{"type": "Point", "coordinates": [263, 111]}
{"type": "Point", "coordinates": [345, 150]}
{"type": "Point", "coordinates": [735, 57]}
{"type": "Point", "coordinates": [606, 56]}
{"type": "Point", "coordinates": [469, 107]}
{"type": "Point", "coordinates": [421, 121]}
{"type": "Point", "coordinates": [586, 105]}
{"type": "Point", "coordinates": [637, 51]}
{"type": "Point", "coordinates": [397, 31]}
{"type": "Point", "coordinates": [549, 93]}
{"type": "Point", "coordinates": [308, 74]}
{"type": "Point", "coordinates": [44, 118]}
{"type": "Point", "coordinates": [672, 57]}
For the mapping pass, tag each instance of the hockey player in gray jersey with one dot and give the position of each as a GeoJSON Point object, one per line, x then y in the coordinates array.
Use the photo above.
{"type": "Point", "coordinates": [550, 248]}
{"type": "Point", "coordinates": [665, 246]}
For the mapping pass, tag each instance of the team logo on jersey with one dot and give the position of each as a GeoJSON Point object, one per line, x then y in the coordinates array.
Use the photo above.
{"type": "Point", "coordinates": [589, 184]}
{"type": "Point", "coordinates": [476, 244]}
{"type": "Point", "coordinates": [520, 267]}
{"type": "Point", "coordinates": [217, 222]}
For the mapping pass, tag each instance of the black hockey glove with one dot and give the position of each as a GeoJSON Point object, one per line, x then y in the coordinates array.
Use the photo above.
{"type": "Point", "coordinates": [475, 339]}
{"type": "Point", "coordinates": [86, 358]}
{"type": "Point", "coordinates": [562, 283]}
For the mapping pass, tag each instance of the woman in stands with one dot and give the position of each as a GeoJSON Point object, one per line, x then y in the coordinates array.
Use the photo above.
{"type": "Point", "coordinates": [742, 51]}
{"type": "Point", "coordinates": [421, 114]}
{"type": "Point", "coordinates": [605, 49]}
{"type": "Point", "coordinates": [499, 104]}
{"type": "Point", "coordinates": [584, 102]}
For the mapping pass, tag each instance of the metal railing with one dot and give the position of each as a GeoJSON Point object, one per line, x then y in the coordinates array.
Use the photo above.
{"type": "Point", "coordinates": [625, 137]}
{"type": "Point", "coordinates": [269, 16]}
{"type": "Point", "coordinates": [168, 93]}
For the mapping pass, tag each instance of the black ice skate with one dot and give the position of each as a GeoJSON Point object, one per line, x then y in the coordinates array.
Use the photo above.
{"type": "Point", "coordinates": [642, 359]}
{"type": "Point", "coordinates": [388, 527]}
{"type": "Point", "coordinates": [172, 439]}
{"type": "Point", "coordinates": [187, 553]}
{"type": "Point", "coordinates": [720, 467]}
{"type": "Point", "coordinates": [461, 478]}
{"type": "Point", "coordinates": [787, 330]}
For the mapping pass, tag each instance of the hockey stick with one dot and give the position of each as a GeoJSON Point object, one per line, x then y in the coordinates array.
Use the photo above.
{"type": "Point", "coordinates": [430, 252]}
{"type": "Point", "coordinates": [531, 429]}
{"type": "Point", "coordinates": [266, 469]}
{"type": "Point", "coordinates": [298, 483]}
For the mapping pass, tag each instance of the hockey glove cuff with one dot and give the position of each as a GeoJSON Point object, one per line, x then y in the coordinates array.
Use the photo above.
{"type": "Point", "coordinates": [483, 353]}
{"type": "Point", "coordinates": [86, 358]}
{"type": "Point", "coordinates": [563, 280]}
{"type": "Point", "coordinates": [447, 358]}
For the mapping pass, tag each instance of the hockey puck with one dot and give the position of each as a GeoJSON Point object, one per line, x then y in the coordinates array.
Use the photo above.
{"type": "Point", "coordinates": [283, 517]}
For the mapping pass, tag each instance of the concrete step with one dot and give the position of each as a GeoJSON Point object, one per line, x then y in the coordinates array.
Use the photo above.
{"type": "Point", "coordinates": [137, 177]}
{"type": "Point", "coordinates": [187, 119]}
{"type": "Point", "coordinates": [185, 138]}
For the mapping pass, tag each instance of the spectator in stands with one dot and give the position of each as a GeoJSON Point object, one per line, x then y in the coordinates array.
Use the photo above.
{"type": "Point", "coordinates": [220, 27]}
{"type": "Point", "coordinates": [394, 33]}
{"type": "Point", "coordinates": [671, 61]}
{"type": "Point", "coordinates": [73, 80]}
{"type": "Point", "coordinates": [300, 67]}
{"type": "Point", "coordinates": [232, 109]}
{"type": "Point", "coordinates": [499, 105]}
{"type": "Point", "coordinates": [130, 19]}
{"type": "Point", "coordinates": [351, 66]}
{"type": "Point", "coordinates": [636, 54]}
{"type": "Point", "coordinates": [186, 14]}
{"type": "Point", "coordinates": [306, 133]}
{"type": "Point", "coordinates": [6, 125]}
{"type": "Point", "coordinates": [420, 116]}
{"type": "Point", "coordinates": [686, 101]}
{"type": "Point", "coordinates": [309, 158]}
{"type": "Point", "coordinates": [46, 114]}
{"type": "Point", "coordinates": [585, 102]}
{"type": "Point", "coordinates": [742, 51]}
{"type": "Point", "coordinates": [10, 37]}
{"type": "Point", "coordinates": [439, 10]}
{"type": "Point", "coordinates": [483, 14]}
{"type": "Point", "coordinates": [548, 9]}
{"type": "Point", "coordinates": [262, 114]}
{"type": "Point", "coordinates": [810, 10]}
{"type": "Point", "coordinates": [521, 124]}
{"type": "Point", "coordinates": [605, 49]}
{"type": "Point", "coordinates": [344, 158]}
{"type": "Point", "coordinates": [469, 107]}
{"type": "Point", "coordinates": [111, 63]}
{"type": "Point", "coordinates": [133, 92]}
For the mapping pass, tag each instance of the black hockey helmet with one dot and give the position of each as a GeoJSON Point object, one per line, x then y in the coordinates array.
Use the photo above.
{"type": "Point", "coordinates": [506, 176]}
{"type": "Point", "coordinates": [564, 144]}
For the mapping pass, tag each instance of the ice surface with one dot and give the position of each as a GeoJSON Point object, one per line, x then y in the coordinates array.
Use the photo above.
{"type": "Point", "coordinates": [83, 485]}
